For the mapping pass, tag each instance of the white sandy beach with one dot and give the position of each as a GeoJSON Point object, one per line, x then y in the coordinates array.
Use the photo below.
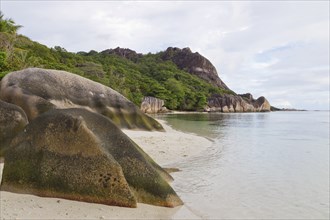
{"type": "Point", "coordinates": [164, 147]}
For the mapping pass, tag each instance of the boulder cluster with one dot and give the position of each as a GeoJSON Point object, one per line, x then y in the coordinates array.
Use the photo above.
{"type": "Point", "coordinates": [61, 137]}
{"type": "Point", "coordinates": [237, 103]}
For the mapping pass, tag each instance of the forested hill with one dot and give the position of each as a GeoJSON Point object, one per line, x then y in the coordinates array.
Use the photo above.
{"type": "Point", "coordinates": [133, 75]}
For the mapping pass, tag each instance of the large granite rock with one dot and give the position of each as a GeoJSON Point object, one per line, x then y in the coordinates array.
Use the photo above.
{"type": "Point", "coordinates": [80, 155]}
{"type": "Point", "coordinates": [237, 103]}
{"type": "Point", "coordinates": [12, 120]}
{"type": "Point", "coordinates": [39, 90]}
{"type": "Point", "coordinates": [152, 105]}
{"type": "Point", "coordinates": [195, 64]}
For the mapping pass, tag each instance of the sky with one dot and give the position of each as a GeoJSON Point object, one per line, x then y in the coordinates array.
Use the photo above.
{"type": "Point", "coordinates": [276, 49]}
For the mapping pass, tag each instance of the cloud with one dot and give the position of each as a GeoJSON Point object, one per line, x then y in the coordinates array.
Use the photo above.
{"type": "Point", "coordinates": [276, 49]}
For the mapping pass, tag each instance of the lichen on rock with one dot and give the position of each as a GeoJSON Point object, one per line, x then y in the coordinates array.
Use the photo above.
{"type": "Point", "coordinates": [81, 155]}
{"type": "Point", "coordinates": [12, 120]}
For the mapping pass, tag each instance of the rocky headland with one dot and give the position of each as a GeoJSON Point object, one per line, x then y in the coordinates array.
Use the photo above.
{"type": "Point", "coordinates": [198, 65]}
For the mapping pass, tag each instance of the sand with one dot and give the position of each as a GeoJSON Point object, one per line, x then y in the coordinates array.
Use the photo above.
{"type": "Point", "coordinates": [164, 147]}
{"type": "Point", "coordinates": [170, 146]}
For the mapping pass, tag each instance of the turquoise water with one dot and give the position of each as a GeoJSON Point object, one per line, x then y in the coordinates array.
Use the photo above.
{"type": "Point", "coordinates": [260, 166]}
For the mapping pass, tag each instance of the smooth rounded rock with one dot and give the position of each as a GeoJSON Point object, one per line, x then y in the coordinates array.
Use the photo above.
{"type": "Point", "coordinates": [38, 90]}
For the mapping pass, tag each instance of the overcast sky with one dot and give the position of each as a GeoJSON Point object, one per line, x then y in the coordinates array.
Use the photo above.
{"type": "Point", "coordinates": [279, 50]}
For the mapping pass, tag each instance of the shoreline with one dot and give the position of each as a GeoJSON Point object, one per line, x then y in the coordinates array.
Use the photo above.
{"type": "Point", "coordinates": [165, 148]}
{"type": "Point", "coordinates": [170, 146]}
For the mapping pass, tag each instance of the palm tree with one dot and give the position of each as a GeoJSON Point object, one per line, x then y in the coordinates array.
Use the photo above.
{"type": "Point", "coordinates": [8, 25]}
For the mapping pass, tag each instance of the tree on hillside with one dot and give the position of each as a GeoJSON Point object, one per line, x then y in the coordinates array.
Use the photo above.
{"type": "Point", "coordinates": [10, 57]}
{"type": "Point", "coordinates": [8, 25]}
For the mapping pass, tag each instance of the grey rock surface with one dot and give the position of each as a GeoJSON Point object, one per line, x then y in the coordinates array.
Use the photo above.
{"type": "Point", "coordinates": [237, 103]}
{"type": "Point", "coordinates": [152, 105]}
{"type": "Point", "coordinates": [195, 64]}
{"type": "Point", "coordinates": [12, 120]}
{"type": "Point", "coordinates": [38, 90]}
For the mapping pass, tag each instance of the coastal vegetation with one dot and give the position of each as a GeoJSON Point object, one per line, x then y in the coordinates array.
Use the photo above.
{"type": "Point", "coordinates": [134, 77]}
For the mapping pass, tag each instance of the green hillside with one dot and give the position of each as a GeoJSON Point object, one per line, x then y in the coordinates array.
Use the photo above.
{"type": "Point", "coordinates": [145, 75]}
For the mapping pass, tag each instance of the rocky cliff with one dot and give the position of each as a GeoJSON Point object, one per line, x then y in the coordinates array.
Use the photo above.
{"type": "Point", "coordinates": [195, 64]}
{"type": "Point", "coordinates": [200, 66]}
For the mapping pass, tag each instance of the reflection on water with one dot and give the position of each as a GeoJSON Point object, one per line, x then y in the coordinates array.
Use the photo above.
{"type": "Point", "coordinates": [197, 123]}
{"type": "Point", "coordinates": [261, 165]}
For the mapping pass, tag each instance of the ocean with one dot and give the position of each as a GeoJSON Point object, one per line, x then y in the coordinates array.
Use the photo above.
{"type": "Point", "coordinates": [260, 166]}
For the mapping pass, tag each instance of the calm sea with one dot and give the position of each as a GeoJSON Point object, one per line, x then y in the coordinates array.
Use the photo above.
{"type": "Point", "coordinates": [260, 166]}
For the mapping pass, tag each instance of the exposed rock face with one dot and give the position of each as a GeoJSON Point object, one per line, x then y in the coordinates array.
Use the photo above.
{"type": "Point", "coordinates": [124, 52]}
{"type": "Point", "coordinates": [195, 64]}
{"type": "Point", "coordinates": [237, 103]}
{"type": "Point", "coordinates": [39, 90]}
{"type": "Point", "coordinates": [198, 65]}
{"type": "Point", "coordinates": [81, 155]}
{"type": "Point", "coordinates": [12, 120]}
{"type": "Point", "coordinates": [153, 105]}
